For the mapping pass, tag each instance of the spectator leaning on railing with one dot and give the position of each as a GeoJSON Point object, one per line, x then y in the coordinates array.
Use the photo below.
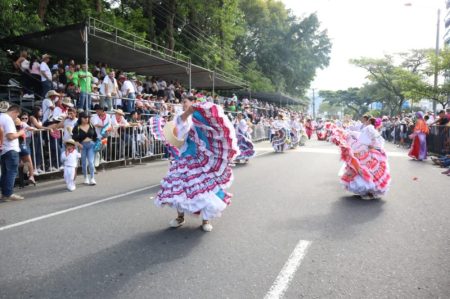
{"type": "Point", "coordinates": [10, 152]}
{"type": "Point", "coordinates": [442, 120]}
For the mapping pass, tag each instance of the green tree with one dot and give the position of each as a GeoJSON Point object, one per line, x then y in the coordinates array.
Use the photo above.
{"type": "Point", "coordinates": [351, 100]}
{"type": "Point", "coordinates": [398, 80]}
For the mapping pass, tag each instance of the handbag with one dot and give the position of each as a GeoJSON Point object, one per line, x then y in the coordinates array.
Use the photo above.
{"type": "Point", "coordinates": [55, 134]}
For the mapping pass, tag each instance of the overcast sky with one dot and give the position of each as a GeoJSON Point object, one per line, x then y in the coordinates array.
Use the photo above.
{"type": "Point", "coordinates": [369, 28]}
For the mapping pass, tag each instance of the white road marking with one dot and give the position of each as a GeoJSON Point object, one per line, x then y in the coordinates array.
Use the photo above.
{"type": "Point", "coordinates": [333, 151]}
{"type": "Point", "coordinates": [2, 228]}
{"type": "Point", "coordinates": [262, 154]}
{"type": "Point", "coordinates": [283, 279]}
{"type": "Point", "coordinates": [75, 208]}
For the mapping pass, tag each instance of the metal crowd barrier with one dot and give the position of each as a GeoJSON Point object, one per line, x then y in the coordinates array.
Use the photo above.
{"type": "Point", "coordinates": [123, 144]}
{"type": "Point", "coordinates": [438, 141]}
{"type": "Point", "coordinates": [260, 132]}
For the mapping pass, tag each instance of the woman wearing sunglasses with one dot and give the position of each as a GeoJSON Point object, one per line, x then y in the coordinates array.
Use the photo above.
{"type": "Point", "coordinates": [85, 136]}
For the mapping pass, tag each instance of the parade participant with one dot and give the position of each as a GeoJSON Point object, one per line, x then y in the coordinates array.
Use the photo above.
{"type": "Point", "coordinates": [320, 130]}
{"type": "Point", "coordinates": [295, 131]}
{"type": "Point", "coordinates": [202, 142]}
{"type": "Point", "coordinates": [279, 139]}
{"type": "Point", "coordinates": [303, 135]}
{"type": "Point", "coordinates": [244, 139]}
{"type": "Point", "coordinates": [366, 171]}
{"type": "Point", "coordinates": [309, 128]}
{"type": "Point", "coordinates": [418, 149]}
{"type": "Point", "coordinates": [69, 158]}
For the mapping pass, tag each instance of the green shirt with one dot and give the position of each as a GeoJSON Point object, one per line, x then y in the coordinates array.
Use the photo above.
{"type": "Point", "coordinates": [68, 75]}
{"type": "Point", "coordinates": [85, 83]}
{"type": "Point", "coordinates": [75, 79]}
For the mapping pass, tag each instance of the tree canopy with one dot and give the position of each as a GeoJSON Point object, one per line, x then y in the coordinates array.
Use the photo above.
{"type": "Point", "coordinates": [260, 41]}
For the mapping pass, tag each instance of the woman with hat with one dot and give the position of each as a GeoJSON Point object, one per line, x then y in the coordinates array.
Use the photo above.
{"type": "Point", "coordinates": [244, 139]}
{"type": "Point", "coordinates": [279, 139]}
{"type": "Point", "coordinates": [202, 142]}
{"type": "Point", "coordinates": [418, 149]}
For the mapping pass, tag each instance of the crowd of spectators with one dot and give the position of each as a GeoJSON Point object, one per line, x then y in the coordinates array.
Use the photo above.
{"type": "Point", "coordinates": [399, 130]}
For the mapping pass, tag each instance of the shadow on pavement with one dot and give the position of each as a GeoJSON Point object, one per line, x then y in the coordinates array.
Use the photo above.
{"type": "Point", "coordinates": [346, 218]}
{"type": "Point", "coordinates": [104, 273]}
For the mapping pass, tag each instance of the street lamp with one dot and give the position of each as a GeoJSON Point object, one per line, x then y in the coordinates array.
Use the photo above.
{"type": "Point", "coordinates": [314, 103]}
{"type": "Point", "coordinates": [436, 51]}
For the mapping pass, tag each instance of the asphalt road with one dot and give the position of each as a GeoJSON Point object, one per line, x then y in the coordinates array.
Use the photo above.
{"type": "Point", "coordinates": [110, 241]}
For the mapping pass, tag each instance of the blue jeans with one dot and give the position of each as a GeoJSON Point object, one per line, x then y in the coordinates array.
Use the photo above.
{"type": "Point", "coordinates": [46, 87]}
{"type": "Point", "coordinates": [130, 103]}
{"type": "Point", "coordinates": [84, 102]}
{"type": "Point", "coordinates": [106, 102]}
{"type": "Point", "coordinates": [10, 167]}
{"type": "Point", "coordinates": [88, 153]}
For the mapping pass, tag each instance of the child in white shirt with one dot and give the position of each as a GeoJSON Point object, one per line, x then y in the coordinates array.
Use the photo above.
{"type": "Point", "coordinates": [70, 160]}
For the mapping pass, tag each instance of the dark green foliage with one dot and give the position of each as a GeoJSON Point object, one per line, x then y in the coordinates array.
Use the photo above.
{"type": "Point", "coordinates": [257, 40]}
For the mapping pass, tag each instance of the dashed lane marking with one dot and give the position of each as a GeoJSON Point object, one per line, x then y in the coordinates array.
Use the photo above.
{"type": "Point", "coordinates": [75, 208]}
{"type": "Point", "coordinates": [283, 279]}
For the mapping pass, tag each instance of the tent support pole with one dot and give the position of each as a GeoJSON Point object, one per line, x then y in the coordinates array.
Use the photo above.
{"type": "Point", "coordinates": [214, 82]}
{"type": "Point", "coordinates": [87, 60]}
{"type": "Point", "coordinates": [190, 76]}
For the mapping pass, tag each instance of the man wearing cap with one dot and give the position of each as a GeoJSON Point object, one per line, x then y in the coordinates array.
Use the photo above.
{"type": "Point", "coordinates": [46, 75]}
{"type": "Point", "coordinates": [85, 84]}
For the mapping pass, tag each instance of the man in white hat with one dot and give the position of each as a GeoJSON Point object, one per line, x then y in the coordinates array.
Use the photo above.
{"type": "Point", "coordinates": [49, 104]}
{"type": "Point", "coordinates": [46, 74]}
{"type": "Point", "coordinates": [62, 107]}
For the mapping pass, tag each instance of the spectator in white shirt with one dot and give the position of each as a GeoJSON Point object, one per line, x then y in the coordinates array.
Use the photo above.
{"type": "Point", "coordinates": [128, 92]}
{"type": "Point", "coordinates": [99, 121]}
{"type": "Point", "coordinates": [46, 74]}
{"type": "Point", "coordinates": [48, 105]}
{"type": "Point", "coordinates": [10, 152]}
{"type": "Point", "coordinates": [109, 90]}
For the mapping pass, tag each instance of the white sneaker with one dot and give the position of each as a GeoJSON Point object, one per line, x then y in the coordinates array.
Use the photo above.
{"type": "Point", "coordinates": [176, 222]}
{"type": "Point", "coordinates": [207, 227]}
{"type": "Point", "coordinates": [97, 160]}
{"type": "Point", "coordinates": [92, 182]}
{"type": "Point", "coordinates": [13, 197]}
{"type": "Point", "coordinates": [86, 181]}
{"type": "Point", "coordinates": [71, 188]}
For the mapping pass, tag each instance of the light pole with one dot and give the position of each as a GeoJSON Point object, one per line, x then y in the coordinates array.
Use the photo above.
{"type": "Point", "coordinates": [437, 55]}
{"type": "Point", "coordinates": [314, 103]}
{"type": "Point", "coordinates": [436, 51]}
